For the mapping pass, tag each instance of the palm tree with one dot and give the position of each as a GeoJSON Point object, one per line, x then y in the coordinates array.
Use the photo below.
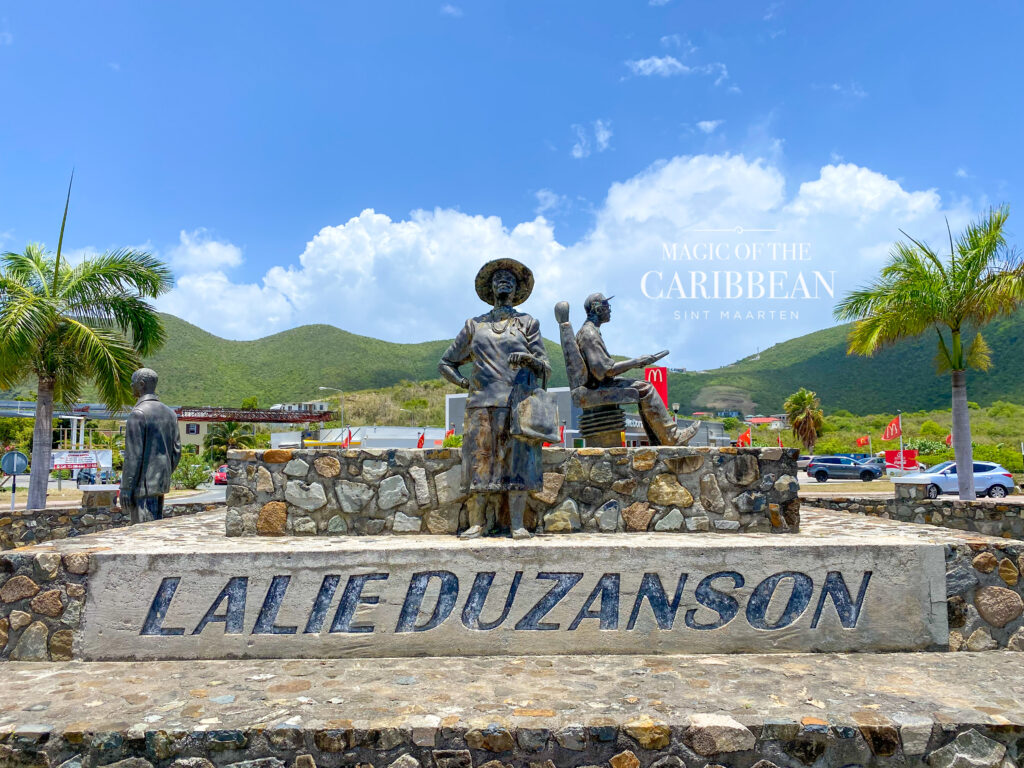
{"type": "Point", "coordinates": [67, 326]}
{"type": "Point", "coordinates": [803, 409]}
{"type": "Point", "coordinates": [918, 290]}
{"type": "Point", "coordinates": [224, 436]}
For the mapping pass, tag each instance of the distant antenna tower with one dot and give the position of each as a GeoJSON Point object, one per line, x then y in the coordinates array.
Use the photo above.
{"type": "Point", "coordinates": [757, 353]}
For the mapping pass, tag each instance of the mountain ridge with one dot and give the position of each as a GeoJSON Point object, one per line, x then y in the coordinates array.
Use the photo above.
{"type": "Point", "coordinates": [199, 368]}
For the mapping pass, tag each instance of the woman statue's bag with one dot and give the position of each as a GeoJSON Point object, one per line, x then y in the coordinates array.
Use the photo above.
{"type": "Point", "coordinates": [534, 410]}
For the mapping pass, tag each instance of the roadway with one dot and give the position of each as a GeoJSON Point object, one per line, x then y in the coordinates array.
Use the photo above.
{"type": "Point", "coordinates": [205, 494]}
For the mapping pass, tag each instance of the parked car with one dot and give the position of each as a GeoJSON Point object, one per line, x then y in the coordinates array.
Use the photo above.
{"type": "Point", "coordinates": [220, 475]}
{"type": "Point", "coordinates": [803, 461]}
{"type": "Point", "coordinates": [89, 476]}
{"type": "Point", "coordinates": [990, 479]}
{"type": "Point", "coordinates": [823, 468]}
{"type": "Point", "coordinates": [888, 466]}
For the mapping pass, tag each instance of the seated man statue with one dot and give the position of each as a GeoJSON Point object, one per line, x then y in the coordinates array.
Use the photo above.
{"type": "Point", "coordinates": [603, 372]}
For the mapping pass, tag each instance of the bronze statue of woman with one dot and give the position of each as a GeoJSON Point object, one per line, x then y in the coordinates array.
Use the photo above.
{"type": "Point", "coordinates": [507, 351]}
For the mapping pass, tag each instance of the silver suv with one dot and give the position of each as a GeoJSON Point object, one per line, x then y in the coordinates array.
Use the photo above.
{"type": "Point", "coordinates": [822, 468]}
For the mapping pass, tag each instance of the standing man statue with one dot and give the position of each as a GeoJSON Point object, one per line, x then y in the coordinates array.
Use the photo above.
{"type": "Point", "coordinates": [152, 449]}
{"type": "Point", "coordinates": [603, 372]}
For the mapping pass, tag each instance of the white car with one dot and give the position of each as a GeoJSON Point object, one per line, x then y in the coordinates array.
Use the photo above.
{"type": "Point", "coordinates": [989, 479]}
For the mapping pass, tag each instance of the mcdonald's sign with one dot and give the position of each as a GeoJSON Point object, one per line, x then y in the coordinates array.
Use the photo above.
{"type": "Point", "coordinates": [658, 377]}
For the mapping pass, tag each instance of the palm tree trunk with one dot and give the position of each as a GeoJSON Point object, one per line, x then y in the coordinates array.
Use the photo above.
{"type": "Point", "coordinates": [962, 438]}
{"type": "Point", "coordinates": [42, 444]}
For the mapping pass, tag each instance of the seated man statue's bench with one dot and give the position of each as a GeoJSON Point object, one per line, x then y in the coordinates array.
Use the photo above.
{"type": "Point", "coordinates": [600, 392]}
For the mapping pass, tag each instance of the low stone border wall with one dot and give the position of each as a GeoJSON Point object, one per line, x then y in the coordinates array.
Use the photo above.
{"type": "Point", "coordinates": [22, 527]}
{"type": "Point", "coordinates": [41, 601]}
{"type": "Point", "coordinates": [367, 492]}
{"type": "Point", "coordinates": [706, 740]}
{"type": "Point", "coordinates": [992, 517]}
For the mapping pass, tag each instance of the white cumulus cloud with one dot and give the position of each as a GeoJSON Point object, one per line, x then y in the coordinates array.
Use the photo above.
{"type": "Point", "coordinates": [411, 279]}
{"type": "Point", "coordinates": [197, 252]}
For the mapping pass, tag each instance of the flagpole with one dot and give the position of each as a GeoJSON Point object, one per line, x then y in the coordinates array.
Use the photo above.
{"type": "Point", "coordinates": [899, 415]}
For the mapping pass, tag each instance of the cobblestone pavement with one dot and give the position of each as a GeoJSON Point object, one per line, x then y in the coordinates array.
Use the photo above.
{"type": "Point", "coordinates": [518, 690]}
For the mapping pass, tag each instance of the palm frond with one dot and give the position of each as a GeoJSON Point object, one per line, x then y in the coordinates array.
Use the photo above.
{"type": "Point", "coordinates": [979, 354]}
{"type": "Point", "coordinates": [26, 318]}
{"type": "Point", "coordinates": [110, 360]}
{"type": "Point", "coordinates": [60, 240]}
{"type": "Point", "coordinates": [943, 358]}
{"type": "Point", "coordinates": [136, 318]}
{"type": "Point", "coordinates": [117, 272]}
{"type": "Point", "coordinates": [32, 267]}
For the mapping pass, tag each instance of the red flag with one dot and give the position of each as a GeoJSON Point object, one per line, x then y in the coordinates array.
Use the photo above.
{"type": "Point", "coordinates": [864, 440]}
{"type": "Point", "coordinates": [892, 431]}
{"type": "Point", "coordinates": [348, 439]}
{"type": "Point", "coordinates": [450, 433]}
{"type": "Point", "coordinates": [561, 434]}
{"type": "Point", "coordinates": [949, 439]}
{"type": "Point", "coordinates": [745, 438]}
{"type": "Point", "coordinates": [423, 435]}
{"type": "Point", "coordinates": [780, 440]}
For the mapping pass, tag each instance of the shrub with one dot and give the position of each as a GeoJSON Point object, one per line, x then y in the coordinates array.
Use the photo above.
{"type": "Point", "coordinates": [932, 429]}
{"type": "Point", "coordinates": [730, 423]}
{"type": "Point", "coordinates": [452, 441]}
{"type": "Point", "coordinates": [190, 475]}
{"type": "Point", "coordinates": [1001, 409]}
{"type": "Point", "coordinates": [924, 446]}
{"type": "Point", "coordinates": [830, 445]}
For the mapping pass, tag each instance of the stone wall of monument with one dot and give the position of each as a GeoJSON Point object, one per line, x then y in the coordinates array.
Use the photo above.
{"type": "Point", "coordinates": [992, 517]}
{"type": "Point", "coordinates": [22, 527]}
{"type": "Point", "coordinates": [602, 490]}
{"type": "Point", "coordinates": [43, 595]}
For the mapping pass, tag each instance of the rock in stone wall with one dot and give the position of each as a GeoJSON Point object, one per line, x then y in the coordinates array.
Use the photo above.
{"type": "Point", "coordinates": [366, 492]}
{"type": "Point", "coordinates": [992, 517]}
{"type": "Point", "coordinates": [41, 601]}
{"type": "Point", "coordinates": [984, 596]}
{"type": "Point", "coordinates": [22, 527]}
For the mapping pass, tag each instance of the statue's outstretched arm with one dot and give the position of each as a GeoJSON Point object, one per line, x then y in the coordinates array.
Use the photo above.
{"type": "Point", "coordinates": [457, 354]}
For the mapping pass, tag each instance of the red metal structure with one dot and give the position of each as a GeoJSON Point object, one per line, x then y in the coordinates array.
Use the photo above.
{"type": "Point", "coordinates": [250, 415]}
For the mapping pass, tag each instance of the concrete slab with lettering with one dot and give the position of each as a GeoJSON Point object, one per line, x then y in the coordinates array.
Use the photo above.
{"type": "Point", "coordinates": [417, 596]}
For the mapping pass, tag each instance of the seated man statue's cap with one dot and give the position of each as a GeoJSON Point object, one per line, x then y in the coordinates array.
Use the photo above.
{"type": "Point", "coordinates": [593, 300]}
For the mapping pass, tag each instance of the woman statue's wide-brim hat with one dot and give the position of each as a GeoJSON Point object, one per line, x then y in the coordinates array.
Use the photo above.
{"type": "Point", "coordinates": [524, 280]}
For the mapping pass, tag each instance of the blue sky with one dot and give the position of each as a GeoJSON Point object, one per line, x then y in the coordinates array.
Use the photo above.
{"type": "Point", "coordinates": [354, 163]}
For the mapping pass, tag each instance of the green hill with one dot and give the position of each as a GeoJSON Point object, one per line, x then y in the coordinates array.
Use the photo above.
{"type": "Point", "coordinates": [902, 376]}
{"type": "Point", "coordinates": [198, 368]}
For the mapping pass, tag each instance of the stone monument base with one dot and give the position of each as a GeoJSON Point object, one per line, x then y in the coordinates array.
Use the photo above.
{"type": "Point", "coordinates": [372, 492]}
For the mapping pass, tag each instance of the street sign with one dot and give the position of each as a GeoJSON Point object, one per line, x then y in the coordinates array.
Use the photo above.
{"type": "Point", "coordinates": [14, 463]}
